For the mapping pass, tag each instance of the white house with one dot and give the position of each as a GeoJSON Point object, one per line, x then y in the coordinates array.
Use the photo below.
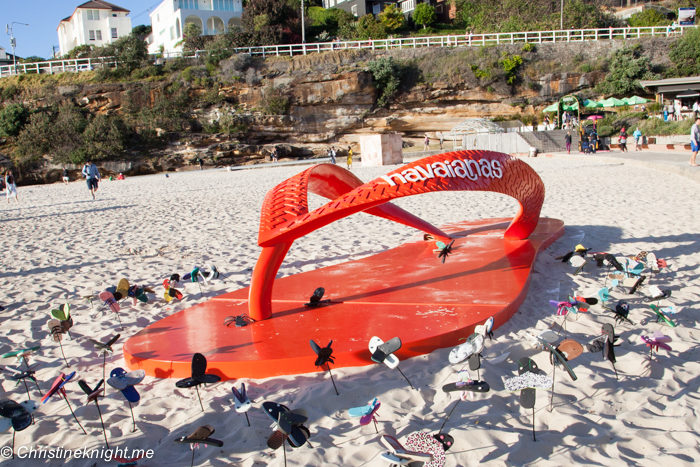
{"type": "Point", "coordinates": [93, 23]}
{"type": "Point", "coordinates": [210, 16]}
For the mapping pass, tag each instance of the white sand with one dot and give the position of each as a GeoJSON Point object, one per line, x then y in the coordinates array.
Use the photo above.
{"type": "Point", "coordinates": [58, 245]}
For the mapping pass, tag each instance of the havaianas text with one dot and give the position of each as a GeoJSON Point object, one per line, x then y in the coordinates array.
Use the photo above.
{"type": "Point", "coordinates": [470, 169]}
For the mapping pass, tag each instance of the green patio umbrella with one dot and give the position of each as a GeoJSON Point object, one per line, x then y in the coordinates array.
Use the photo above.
{"type": "Point", "coordinates": [552, 108]}
{"type": "Point", "coordinates": [612, 102]}
{"type": "Point", "coordinates": [589, 104]}
{"type": "Point", "coordinates": [635, 100]}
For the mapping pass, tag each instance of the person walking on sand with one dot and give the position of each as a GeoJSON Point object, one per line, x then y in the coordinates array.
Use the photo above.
{"type": "Point", "coordinates": [275, 157]}
{"type": "Point", "coordinates": [442, 140]}
{"type": "Point", "coordinates": [332, 154]}
{"type": "Point", "coordinates": [623, 140]}
{"type": "Point", "coordinates": [201, 164]}
{"type": "Point", "coordinates": [426, 143]}
{"type": "Point", "coordinates": [10, 186]}
{"type": "Point", "coordinates": [92, 177]}
{"type": "Point", "coordinates": [637, 135]}
{"type": "Point", "coordinates": [65, 176]}
{"type": "Point", "coordinates": [695, 141]}
{"type": "Point", "coordinates": [567, 140]}
{"type": "Point", "coordinates": [349, 161]}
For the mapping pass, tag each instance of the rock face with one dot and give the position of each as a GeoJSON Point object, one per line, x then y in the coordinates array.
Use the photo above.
{"type": "Point", "coordinates": [329, 98]}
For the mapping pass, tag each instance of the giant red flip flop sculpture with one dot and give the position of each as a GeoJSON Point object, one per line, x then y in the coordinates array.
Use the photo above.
{"type": "Point", "coordinates": [405, 288]}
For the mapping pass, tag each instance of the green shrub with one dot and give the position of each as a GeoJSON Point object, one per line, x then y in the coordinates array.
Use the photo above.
{"type": "Point", "coordinates": [626, 67]}
{"type": "Point", "coordinates": [13, 117]}
{"type": "Point", "coordinates": [274, 101]}
{"type": "Point", "coordinates": [586, 68]}
{"type": "Point", "coordinates": [510, 65]}
{"type": "Point", "coordinates": [387, 78]}
{"type": "Point", "coordinates": [479, 73]}
{"type": "Point", "coordinates": [142, 73]}
{"type": "Point", "coordinates": [392, 18]}
{"type": "Point", "coordinates": [647, 18]}
{"type": "Point", "coordinates": [368, 27]}
{"type": "Point", "coordinates": [424, 14]}
{"type": "Point", "coordinates": [8, 92]}
{"type": "Point", "coordinates": [685, 53]}
{"type": "Point", "coordinates": [527, 47]}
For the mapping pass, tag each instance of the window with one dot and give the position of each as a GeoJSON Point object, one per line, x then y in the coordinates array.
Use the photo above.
{"type": "Point", "coordinates": [353, 10]}
{"type": "Point", "coordinates": [114, 15]}
{"type": "Point", "coordinates": [157, 16]}
{"type": "Point", "coordinates": [91, 34]}
{"type": "Point", "coordinates": [376, 8]}
{"type": "Point", "coordinates": [332, 2]}
{"type": "Point", "coordinates": [93, 14]}
{"type": "Point", "coordinates": [224, 5]}
{"type": "Point", "coordinates": [98, 34]}
{"type": "Point", "coordinates": [189, 4]}
{"type": "Point", "coordinates": [114, 33]}
{"type": "Point", "coordinates": [408, 5]}
{"type": "Point", "coordinates": [438, 8]}
{"type": "Point", "coordinates": [172, 32]}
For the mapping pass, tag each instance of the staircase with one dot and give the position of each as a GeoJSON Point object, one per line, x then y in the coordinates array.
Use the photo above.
{"type": "Point", "coordinates": [549, 141]}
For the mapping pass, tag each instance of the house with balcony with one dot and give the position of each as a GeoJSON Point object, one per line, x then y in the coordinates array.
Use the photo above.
{"type": "Point", "coordinates": [210, 16]}
{"type": "Point", "coordinates": [360, 8]}
{"type": "Point", "coordinates": [93, 23]}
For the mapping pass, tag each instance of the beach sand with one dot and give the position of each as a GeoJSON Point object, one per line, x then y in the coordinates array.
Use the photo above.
{"type": "Point", "coordinates": [58, 245]}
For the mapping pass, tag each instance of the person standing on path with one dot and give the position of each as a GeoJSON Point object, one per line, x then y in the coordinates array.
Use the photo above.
{"type": "Point", "coordinates": [201, 164]}
{"type": "Point", "coordinates": [349, 161]}
{"type": "Point", "coordinates": [332, 153]}
{"type": "Point", "coordinates": [442, 140]}
{"type": "Point", "coordinates": [695, 141]}
{"type": "Point", "coordinates": [275, 157]}
{"type": "Point", "coordinates": [65, 176]}
{"type": "Point", "coordinates": [10, 186]}
{"type": "Point", "coordinates": [637, 140]}
{"type": "Point", "coordinates": [426, 143]}
{"type": "Point", "coordinates": [92, 177]}
{"type": "Point", "coordinates": [567, 140]}
{"type": "Point", "coordinates": [696, 110]}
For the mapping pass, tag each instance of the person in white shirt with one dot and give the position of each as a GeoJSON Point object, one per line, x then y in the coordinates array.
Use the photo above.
{"type": "Point", "coordinates": [695, 141]}
{"type": "Point", "coordinates": [696, 109]}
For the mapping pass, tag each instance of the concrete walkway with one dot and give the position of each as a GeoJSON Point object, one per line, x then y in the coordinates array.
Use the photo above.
{"type": "Point", "coordinates": [675, 162]}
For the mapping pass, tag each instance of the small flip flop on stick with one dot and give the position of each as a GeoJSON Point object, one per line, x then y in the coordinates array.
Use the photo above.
{"type": "Point", "coordinates": [56, 332]}
{"type": "Point", "coordinates": [17, 416]}
{"type": "Point", "coordinates": [199, 376]}
{"type": "Point", "coordinates": [383, 352]}
{"type": "Point", "coordinates": [324, 356]}
{"type": "Point", "coordinates": [125, 382]}
{"type": "Point", "coordinates": [241, 401]}
{"type": "Point", "coordinates": [367, 413]}
{"type": "Point", "coordinates": [200, 436]}
{"type": "Point", "coordinates": [58, 388]}
{"type": "Point", "coordinates": [93, 395]}
{"type": "Point", "coordinates": [105, 348]}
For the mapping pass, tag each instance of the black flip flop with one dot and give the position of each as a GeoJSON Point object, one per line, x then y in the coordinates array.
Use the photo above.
{"type": "Point", "coordinates": [528, 396]}
{"type": "Point", "coordinates": [386, 349]}
{"type": "Point", "coordinates": [473, 386]}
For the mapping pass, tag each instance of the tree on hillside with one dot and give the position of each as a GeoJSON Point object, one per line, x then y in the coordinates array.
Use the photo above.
{"type": "Point", "coordinates": [627, 66]}
{"type": "Point", "coordinates": [647, 18]}
{"type": "Point", "coordinates": [685, 53]}
{"type": "Point", "coordinates": [424, 14]}
{"type": "Point", "coordinates": [368, 27]}
{"type": "Point", "coordinates": [13, 117]}
{"type": "Point", "coordinates": [272, 19]}
{"type": "Point", "coordinates": [392, 18]}
{"type": "Point", "coordinates": [141, 30]}
{"type": "Point", "coordinates": [129, 51]}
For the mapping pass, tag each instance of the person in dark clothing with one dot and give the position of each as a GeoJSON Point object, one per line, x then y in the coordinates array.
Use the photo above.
{"type": "Point", "coordinates": [567, 140]}
{"type": "Point", "coordinates": [201, 164]}
{"type": "Point", "coordinates": [623, 140]}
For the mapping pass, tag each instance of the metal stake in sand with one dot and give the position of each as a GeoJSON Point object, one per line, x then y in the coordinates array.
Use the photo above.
{"type": "Point", "coordinates": [63, 393]}
{"type": "Point", "coordinates": [551, 400]}
{"type": "Point", "coordinates": [104, 432]}
{"type": "Point", "coordinates": [329, 372]}
{"type": "Point", "coordinates": [200, 401]}
{"type": "Point", "coordinates": [133, 420]}
{"type": "Point", "coordinates": [449, 415]}
{"type": "Point", "coordinates": [193, 448]}
{"type": "Point", "coordinates": [64, 355]}
{"type": "Point", "coordinates": [35, 381]}
{"type": "Point", "coordinates": [404, 376]}
{"type": "Point", "coordinates": [533, 424]}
